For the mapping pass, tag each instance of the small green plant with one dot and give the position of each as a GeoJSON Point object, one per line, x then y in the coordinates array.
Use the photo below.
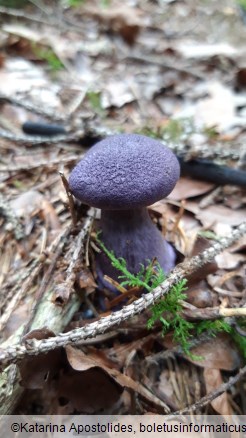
{"type": "Point", "coordinates": [211, 132]}
{"type": "Point", "coordinates": [171, 308]}
{"type": "Point", "coordinates": [47, 54]}
{"type": "Point", "coordinates": [178, 130]}
{"type": "Point", "coordinates": [212, 327]}
{"type": "Point", "coordinates": [209, 235]}
{"type": "Point", "coordinates": [74, 3]}
{"type": "Point", "coordinates": [94, 98]}
{"type": "Point", "coordinates": [168, 310]}
{"type": "Point", "coordinates": [148, 277]}
{"type": "Point", "coordinates": [242, 3]}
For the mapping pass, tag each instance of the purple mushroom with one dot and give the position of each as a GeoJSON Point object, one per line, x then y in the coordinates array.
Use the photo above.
{"type": "Point", "coordinates": [122, 175]}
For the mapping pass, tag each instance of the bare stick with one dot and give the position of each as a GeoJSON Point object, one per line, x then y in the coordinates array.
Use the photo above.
{"type": "Point", "coordinates": [34, 347]}
{"type": "Point", "coordinates": [52, 115]}
{"type": "Point", "coordinates": [210, 313]}
{"type": "Point", "coordinates": [48, 314]}
{"type": "Point", "coordinates": [42, 163]}
{"type": "Point", "coordinates": [35, 140]}
{"type": "Point", "coordinates": [69, 197]}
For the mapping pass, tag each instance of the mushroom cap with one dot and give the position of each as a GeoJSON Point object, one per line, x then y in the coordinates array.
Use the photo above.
{"type": "Point", "coordinates": [125, 171]}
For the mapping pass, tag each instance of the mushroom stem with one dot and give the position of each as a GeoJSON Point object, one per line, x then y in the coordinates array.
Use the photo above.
{"type": "Point", "coordinates": [132, 235]}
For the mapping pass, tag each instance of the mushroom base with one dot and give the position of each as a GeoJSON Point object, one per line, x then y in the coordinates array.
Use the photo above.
{"type": "Point", "coordinates": [132, 235]}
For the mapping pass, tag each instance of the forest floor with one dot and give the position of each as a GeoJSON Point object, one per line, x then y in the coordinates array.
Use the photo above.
{"type": "Point", "coordinates": [173, 70]}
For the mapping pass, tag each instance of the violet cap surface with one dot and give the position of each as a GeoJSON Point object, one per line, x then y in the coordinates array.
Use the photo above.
{"type": "Point", "coordinates": [125, 171]}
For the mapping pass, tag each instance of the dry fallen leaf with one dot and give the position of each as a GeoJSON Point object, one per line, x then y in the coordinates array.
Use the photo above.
{"type": "Point", "coordinates": [189, 188]}
{"type": "Point", "coordinates": [215, 214]}
{"type": "Point", "coordinates": [213, 380]}
{"type": "Point", "coordinates": [226, 260]}
{"type": "Point", "coordinates": [26, 203]}
{"type": "Point", "coordinates": [218, 353]}
{"type": "Point", "coordinates": [81, 362]}
{"type": "Point", "coordinates": [89, 391]}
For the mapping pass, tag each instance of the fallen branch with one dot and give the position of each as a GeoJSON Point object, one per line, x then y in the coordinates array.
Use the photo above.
{"type": "Point", "coordinates": [33, 347]}
{"type": "Point", "coordinates": [191, 312]}
{"type": "Point", "coordinates": [48, 313]}
{"type": "Point", "coordinates": [42, 163]}
{"type": "Point", "coordinates": [53, 115]}
{"type": "Point", "coordinates": [36, 140]}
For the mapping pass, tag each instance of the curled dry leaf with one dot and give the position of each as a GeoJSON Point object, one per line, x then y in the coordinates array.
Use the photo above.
{"type": "Point", "coordinates": [81, 362]}
{"type": "Point", "coordinates": [89, 386]}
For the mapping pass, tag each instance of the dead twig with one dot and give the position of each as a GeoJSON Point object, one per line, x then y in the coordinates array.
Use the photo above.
{"type": "Point", "coordinates": [211, 313]}
{"type": "Point", "coordinates": [75, 260]}
{"type": "Point", "coordinates": [35, 140]}
{"type": "Point", "coordinates": [154, 60]}
{"type": "Point", "coordinates": [34, 347]}
{"type": "Point", "coordinates": [69, 197]}
{"type": "Point", "coordinates": [45, 163]}
{"type": "Point", "coordinates": [51, 115]}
